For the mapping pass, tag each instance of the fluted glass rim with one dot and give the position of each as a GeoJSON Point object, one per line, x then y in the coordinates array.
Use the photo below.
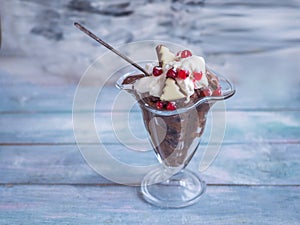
{"type": "Point", "coordinates": [226, 93]}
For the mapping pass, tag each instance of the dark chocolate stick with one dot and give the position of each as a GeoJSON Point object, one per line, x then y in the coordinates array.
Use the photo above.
{"type": "Point", "coordinates": [89, 33]}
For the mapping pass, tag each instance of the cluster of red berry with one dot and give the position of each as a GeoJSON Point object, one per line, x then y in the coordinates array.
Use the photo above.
{"type": "Point", "coordinates": [166, 105]}
{"type": "Point", "coordinates": [173, 73]}
{"type": "Point", "coordinates": [178, 73]}
{"type": "Point", "coordinates": [207, 92]}
{"type": "Point", "coordinates": [181, 74]}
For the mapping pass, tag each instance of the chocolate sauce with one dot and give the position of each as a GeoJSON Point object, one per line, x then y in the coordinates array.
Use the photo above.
{"type": "Point", "coordinates": [181, 131]}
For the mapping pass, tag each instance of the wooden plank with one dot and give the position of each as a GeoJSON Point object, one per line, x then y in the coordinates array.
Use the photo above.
{"type": "Point", "coordinates": [67, 204]}
{"type": "Point", "coordinates": [32, 98]}
{"type": "Point", "coordinates": [255, 164]}
{"type": "Point", "coordinates": [241, 127]}
{"type": "Point", "coordinates": [17, 95]}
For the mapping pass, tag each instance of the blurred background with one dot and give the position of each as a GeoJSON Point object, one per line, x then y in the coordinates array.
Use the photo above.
{"type": "Point", "coordinates": [41, 45]}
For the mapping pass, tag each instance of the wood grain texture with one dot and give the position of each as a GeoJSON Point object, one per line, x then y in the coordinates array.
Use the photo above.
{"type": "Point", "coordinates": [58, 127]}
{"type": "Point", "coordinates": [18, 95]}
{"type": "Point", "coordinates": [256, 164]}
{"type": "Point", "coordinates": [44, 179]}
{"type": "Point", "coordinates": [33, 98]}
{"type": "Point", "coordinates": [85, 204]}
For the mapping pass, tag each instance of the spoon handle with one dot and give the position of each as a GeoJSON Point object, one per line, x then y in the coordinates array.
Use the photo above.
{"type": "Point", "coordinates": [0, 33]}
{"type": "Point", "coordinates": [89, 33]}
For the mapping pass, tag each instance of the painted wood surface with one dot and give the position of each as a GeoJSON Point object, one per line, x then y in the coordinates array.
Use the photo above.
{"type": "Point", "coordinates": [101, 204]}
{"type": "Point", "coordinates": [33, 98]}
{"type": "Point", "coordinates": [256, 164]}
{"type": "Point", "coordinates": [58, 127]}
{"type": "Point", "coordinates": [44, 179]}
{"type": "Point", "coordinates": [21, 95]}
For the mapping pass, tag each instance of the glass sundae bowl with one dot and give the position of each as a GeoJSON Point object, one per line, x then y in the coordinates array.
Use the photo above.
{"type": "Point", "coordinates": [175, 136]}
{"type": "Point", "coordinates": [174, 95]}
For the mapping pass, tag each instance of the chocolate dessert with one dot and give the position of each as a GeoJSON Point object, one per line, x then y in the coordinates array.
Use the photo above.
{"type": "Point", "coordinates": [175, 85]}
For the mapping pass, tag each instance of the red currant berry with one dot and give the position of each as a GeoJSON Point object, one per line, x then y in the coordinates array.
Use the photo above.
{"type": "Point", "coordinates": [171, 106]}
{"type": "Point", "coordinates": [183, 74]}
{"type": "Point", "coordinates": [159, 105]}
{"type": "Point", "coordinates": [198, 75]}
{"type": "Point", "coordinates": [217, 92]}
{"type": "Point", "coordinates": [172, 73]}
{"type": "Point", "coordinates": [157, 70]}
{"type": "Point", "coordinates": [206, 92]}
{"type": "Point", "coordinates": [185, 54]}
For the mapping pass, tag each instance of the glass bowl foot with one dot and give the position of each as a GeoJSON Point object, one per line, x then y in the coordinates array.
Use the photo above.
{"type": "Point", "coordinates": [179, 190]}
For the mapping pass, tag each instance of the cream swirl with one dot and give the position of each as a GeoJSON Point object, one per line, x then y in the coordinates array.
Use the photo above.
{"type": "Point", "coordinates": [188, 72]}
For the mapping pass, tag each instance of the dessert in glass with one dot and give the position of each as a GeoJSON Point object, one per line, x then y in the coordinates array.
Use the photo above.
{"type": "Point", "coordinates": [174, 101]}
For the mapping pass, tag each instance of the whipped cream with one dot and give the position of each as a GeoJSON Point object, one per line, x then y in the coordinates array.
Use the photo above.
{"type": "Point", "coordinates": [190, 74]}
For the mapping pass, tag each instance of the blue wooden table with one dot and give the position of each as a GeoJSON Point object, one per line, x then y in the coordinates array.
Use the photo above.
{"type": "Point", "coordinates": [254, 180]}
